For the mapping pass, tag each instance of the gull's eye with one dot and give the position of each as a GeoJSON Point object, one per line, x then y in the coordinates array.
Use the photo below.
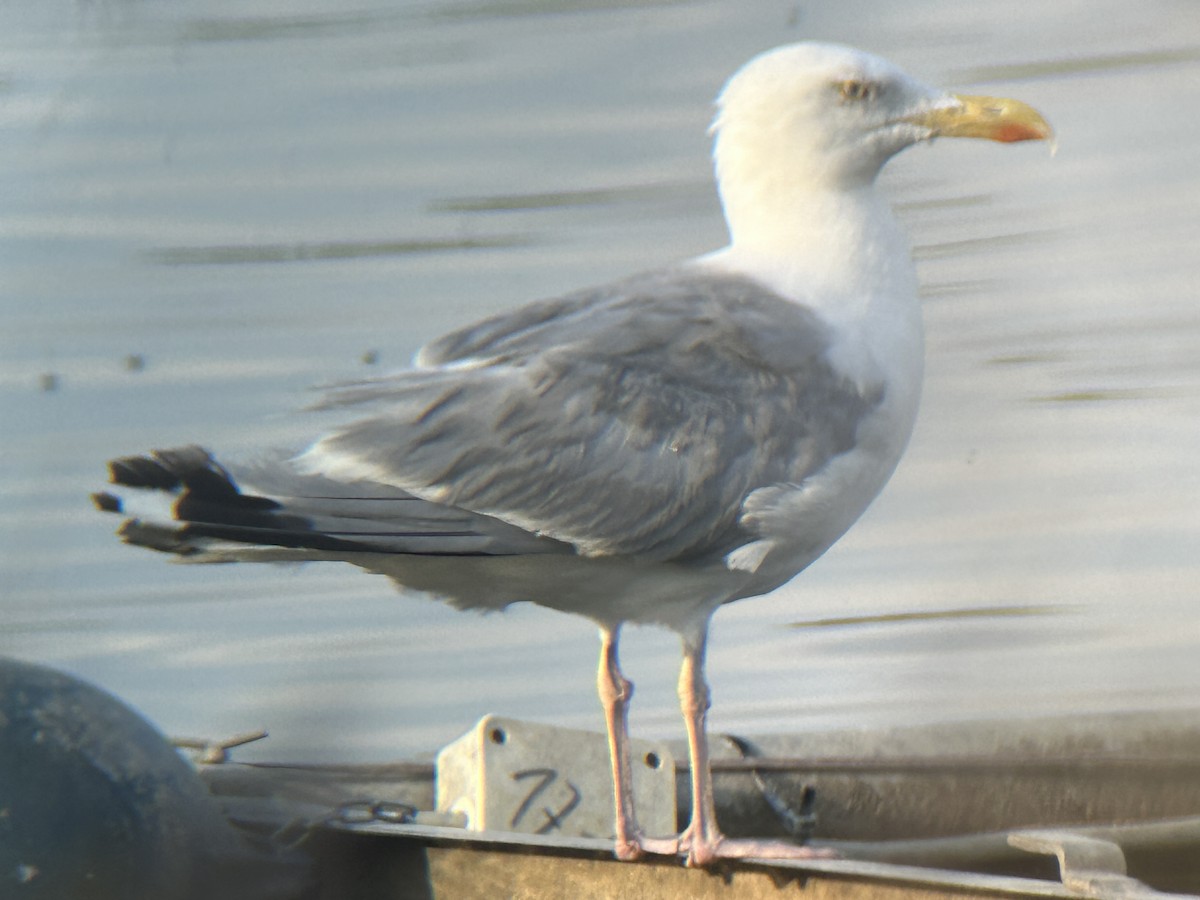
{"type": "Point", "coordinates": [852, 90]}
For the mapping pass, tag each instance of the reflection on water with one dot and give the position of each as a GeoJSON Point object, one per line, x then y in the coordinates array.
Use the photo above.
{"type": "Point", "coordinates": [1082, 64]}
{"type": "Point", "coordinates": [931, 615]}
{"type": "Point", "coordinates": [409, 168]}
{"type": "Point", "coordinates": [585, 197]}
{"type": "Point", "coordinates": [268, 253]}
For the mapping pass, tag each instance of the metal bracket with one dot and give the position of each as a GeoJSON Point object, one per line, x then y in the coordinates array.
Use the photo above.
{"type": "Point", "coordinates": [509, 775]}
{"type": "Point", "coordinates": [1089, 866]}
{"type": "Point", "coordinates": [800, 819]}
{"type": "Point", "coordinates": [217, 752]}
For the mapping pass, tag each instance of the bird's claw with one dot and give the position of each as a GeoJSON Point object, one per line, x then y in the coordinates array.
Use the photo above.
{"type": "Point", "coordinates": [704, 851]}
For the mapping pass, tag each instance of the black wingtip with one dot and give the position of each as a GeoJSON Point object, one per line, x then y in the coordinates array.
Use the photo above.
{"type": "Point", "coordinates": [106, 502]}
{"type": "Point", "coordinates": [190, 467]}
{"type": "Point", "coordinates": [156, 537]}
{"type": "Point", "coordinates": [142, 472]}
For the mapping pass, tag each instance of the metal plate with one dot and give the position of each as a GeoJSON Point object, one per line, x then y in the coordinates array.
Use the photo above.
{"type": "Point", "coordinates": [514, 776]}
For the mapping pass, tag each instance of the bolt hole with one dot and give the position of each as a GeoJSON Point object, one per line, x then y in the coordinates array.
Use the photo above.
{"type": "Point", "coordinates": [498, 736]}
{"type": "Point", "coordinates": [653, 761]}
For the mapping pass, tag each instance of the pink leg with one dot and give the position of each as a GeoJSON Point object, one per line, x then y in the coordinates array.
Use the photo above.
{"type": "Point", "coordinates": [702, 840]}
{"type": "Point", "coordinates": [615, 691]}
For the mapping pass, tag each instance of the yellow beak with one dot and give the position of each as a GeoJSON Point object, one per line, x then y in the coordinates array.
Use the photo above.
{"type": "Point", "coordinates": [994, 118]}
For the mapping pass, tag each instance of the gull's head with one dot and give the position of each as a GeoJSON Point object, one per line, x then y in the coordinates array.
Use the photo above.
{"type": "Point", "coordinates": [821, 116]}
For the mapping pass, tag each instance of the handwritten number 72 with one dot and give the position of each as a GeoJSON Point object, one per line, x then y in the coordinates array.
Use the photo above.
{"type": "Point", "coordinates": [542, 779]}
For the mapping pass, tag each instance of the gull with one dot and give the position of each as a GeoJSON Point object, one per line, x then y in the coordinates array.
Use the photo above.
{"type": "Point", "coordinates": [647, 450]}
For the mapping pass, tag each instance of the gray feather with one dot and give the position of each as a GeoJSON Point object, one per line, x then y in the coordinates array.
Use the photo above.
{"type": "Point", "coordinates": [671, 396]}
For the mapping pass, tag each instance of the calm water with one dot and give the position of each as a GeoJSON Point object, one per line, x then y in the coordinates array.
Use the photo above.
{"type": "Point", "coordinates": [208, 207]}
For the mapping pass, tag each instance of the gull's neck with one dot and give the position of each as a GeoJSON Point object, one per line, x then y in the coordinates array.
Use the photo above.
{"type": "Point", "coordinates": [821, 245]}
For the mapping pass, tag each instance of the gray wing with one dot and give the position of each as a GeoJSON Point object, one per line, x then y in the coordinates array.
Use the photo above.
{"type": "Point", "coordinates": [633, 419]}
{"type": "Point", "coordinates": [184, 501]}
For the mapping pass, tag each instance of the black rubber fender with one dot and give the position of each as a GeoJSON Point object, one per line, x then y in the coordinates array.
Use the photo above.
{"type": "Point", "coordinates": [96, 804]}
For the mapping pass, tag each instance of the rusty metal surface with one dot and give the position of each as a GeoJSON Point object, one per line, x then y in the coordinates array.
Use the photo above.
{"type": "Point", "coordinates": [948, 796]}
{"type": "Point", "coordinates": [425, 862]}
{"type": "Point", "coordinates": [971, 777]}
